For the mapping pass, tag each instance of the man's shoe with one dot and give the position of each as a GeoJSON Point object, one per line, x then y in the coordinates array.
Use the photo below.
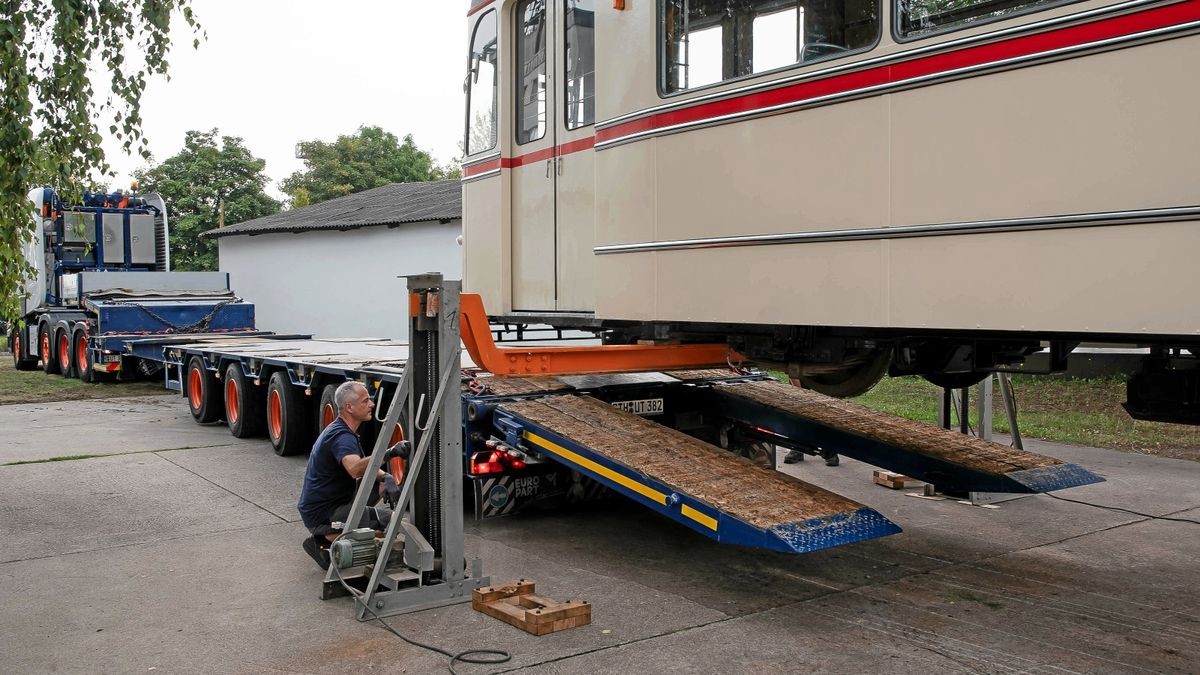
{"type": "Point", "coordinates": [793, 456]}
{"type": "Point", "coordinates": [317, 552]}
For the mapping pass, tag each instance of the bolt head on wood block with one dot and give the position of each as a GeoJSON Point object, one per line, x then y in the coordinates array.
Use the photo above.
{"type": "Point", "coordinates": [508, 590]}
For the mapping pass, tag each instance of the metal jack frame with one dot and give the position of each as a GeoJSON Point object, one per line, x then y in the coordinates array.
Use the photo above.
{"type": "Point", "coordinates": [430, 508]}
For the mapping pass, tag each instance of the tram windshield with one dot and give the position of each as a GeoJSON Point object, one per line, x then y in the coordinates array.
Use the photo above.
{"type": "Point", "coordinates": [481, 87]}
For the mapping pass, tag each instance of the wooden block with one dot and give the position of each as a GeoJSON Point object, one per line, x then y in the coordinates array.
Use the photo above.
{"type": "Point", "coordinates": [888, 479]}
{"type": "Point", "coordinates": [531, 613]}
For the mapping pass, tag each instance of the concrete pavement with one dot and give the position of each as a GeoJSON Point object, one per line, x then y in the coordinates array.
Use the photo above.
{"type": "Point", "coordinates": [182, 555]}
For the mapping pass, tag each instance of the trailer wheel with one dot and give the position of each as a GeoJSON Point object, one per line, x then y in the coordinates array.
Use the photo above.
{"type": "Point", "coordinates": [204, 397]}
{"type": "Point", "coordinates": [46, 351]}
{"type": "Point", "coordinates": [20, 351]}
{"type": "Point", "coordinates": [245, 403]}
{"type": "Point", "coordinates": [288, 424]}
{"type": "Point", "coordinates": [83, 358]}
{"type": "Point", "coordinates": [65, 354]}
{"type": "Point", "coordinates": [327, 410]}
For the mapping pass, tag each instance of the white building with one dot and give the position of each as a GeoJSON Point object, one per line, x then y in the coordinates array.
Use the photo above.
{"type": "Point", "coordinates": [333, 269]}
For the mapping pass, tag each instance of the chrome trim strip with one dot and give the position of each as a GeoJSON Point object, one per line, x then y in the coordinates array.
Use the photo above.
{"type": "Point", "coordinates": [1163, 215]}
{"type": "Point", "coordinates": [897, 86]}
{"type": "Point", "coordinates": [481, 176]}
{"type": "Point", "coordinates": [905, 55]}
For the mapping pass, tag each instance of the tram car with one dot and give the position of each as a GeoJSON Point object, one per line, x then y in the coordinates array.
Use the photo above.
{"type": "Point", "coordinates": [844, 188]}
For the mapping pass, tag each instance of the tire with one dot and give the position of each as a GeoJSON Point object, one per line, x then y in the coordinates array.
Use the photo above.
{"type": "Point", "coordinates": [83, 357]}
{"type": "Point", "coordinates": [46, 350]}
{"type": "Point", "coordinates": [289, 425]}
{"type": "Point", "coordinates": [64, 352]}
{"type": "Point", "coordinates": [203, 394]}
{"type": "Point", "coordinates": [327, 409]}
{"type": "Point", "coordinates": [245, 404]}
{"type": "Point", "coordinates": [20, 350]}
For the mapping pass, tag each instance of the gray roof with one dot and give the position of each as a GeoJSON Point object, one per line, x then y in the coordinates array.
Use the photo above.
{"type": "Point", "coordinates": [388, 205]}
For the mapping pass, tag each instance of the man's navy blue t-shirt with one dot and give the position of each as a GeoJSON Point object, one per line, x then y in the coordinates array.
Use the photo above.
{"type": "Point", "coordinates": [326, 483]}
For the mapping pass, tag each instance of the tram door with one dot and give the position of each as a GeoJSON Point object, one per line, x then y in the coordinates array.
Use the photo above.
{"type": "Point", "coordinates": [553, 171]}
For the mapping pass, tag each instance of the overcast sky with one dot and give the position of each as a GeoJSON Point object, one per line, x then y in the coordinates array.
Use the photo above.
{"type": "Point", "coordinates": [276, 72]}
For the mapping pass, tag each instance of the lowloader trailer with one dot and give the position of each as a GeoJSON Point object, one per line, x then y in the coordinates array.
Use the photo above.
{"type": "Point", "coordinates": [674, 428]}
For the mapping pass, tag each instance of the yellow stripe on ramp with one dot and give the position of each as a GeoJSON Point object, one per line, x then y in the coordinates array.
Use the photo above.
{"type": "Point", "coordinates": [702, 518]}
{"type": "Point", "coordinates": [608, 473]}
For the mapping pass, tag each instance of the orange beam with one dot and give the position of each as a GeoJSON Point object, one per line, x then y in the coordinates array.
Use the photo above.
{"type": "Point", "coordinates": [519, 361]}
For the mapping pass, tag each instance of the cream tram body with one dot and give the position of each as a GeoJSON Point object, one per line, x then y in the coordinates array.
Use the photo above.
{"type": "Point", "coordinates": [857, 172]}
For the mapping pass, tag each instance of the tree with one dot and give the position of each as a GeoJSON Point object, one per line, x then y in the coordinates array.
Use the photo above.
{"type": "Point", "coordinates": [50, 115]}
{"type": "Point", "coordinates": [204, 178]}
{"type": "Point", "coordinates": [370, 158]}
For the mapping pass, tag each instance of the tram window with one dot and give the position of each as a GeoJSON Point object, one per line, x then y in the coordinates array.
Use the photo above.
{"type": "Point", "coordinates": [918, 18]}
{"type": "Point", "coordinates": [581, 63]}
{"type": "Point", "coordinates": [709, 41]}
{"type": "Point", "coordinates": [782, 47]}
{"type": "Point", "coordinates": [531, 70]}
{"type": "Point", "coordinates": [481, 87]}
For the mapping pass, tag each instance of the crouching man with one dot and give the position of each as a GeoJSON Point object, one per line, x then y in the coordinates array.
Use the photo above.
{"type": "Point", "coordinates": [334, 467]}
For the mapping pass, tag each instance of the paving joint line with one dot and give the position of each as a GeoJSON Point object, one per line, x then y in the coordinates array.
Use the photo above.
{"type": "Point", "coordinates": [222, 487]}
{"type": "Point", "coordinates": [141, 543]}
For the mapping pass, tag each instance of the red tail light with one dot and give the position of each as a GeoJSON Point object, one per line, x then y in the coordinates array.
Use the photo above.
{"type": "Point", "coordinates": [495, 461]}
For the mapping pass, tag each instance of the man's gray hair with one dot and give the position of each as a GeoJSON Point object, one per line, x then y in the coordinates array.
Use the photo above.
{"type": "Point", "coordinates": [345, 393]}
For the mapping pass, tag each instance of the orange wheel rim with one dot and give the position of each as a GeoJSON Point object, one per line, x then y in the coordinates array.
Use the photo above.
{"type": "Point", "coordinates": [81, 353]}
{"type": "Point", "coordinates": [275, 414]}
{"type": "Point", "coordinates": [195, 388]}
{"type": "Point", "coordinates": [232, 404]}
{"type": "Point", "coordinates": [64, 352]}
{"type": "Point", "coordinates": [45, 346]}
{"type": "Point", "coordinates": [327, 415]}
{"type": "Point", "coordinates": [397, 435]}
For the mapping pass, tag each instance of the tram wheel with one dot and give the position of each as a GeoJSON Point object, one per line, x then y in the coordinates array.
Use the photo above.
{"type": "Point", "coordinates": [853, 380]}
{"type": "Point", "coordinates": [288, 425]}
{"type": "Point", "coordinates": [203, 394]}
{"type": "Point", "coordinates": [245, 404]}
{"type": "Point", "coordinates": [956, 380]}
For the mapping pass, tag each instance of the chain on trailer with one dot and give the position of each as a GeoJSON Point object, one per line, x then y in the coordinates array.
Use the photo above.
{"type": "Point", "coordinates": [419, 563]}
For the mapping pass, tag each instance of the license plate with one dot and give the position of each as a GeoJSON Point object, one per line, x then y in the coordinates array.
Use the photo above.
{"type": "Point", "coordinates": [643, 406]}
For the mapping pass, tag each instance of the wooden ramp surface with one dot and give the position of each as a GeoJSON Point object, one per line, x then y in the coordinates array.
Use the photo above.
{"type": "Point", "coordinates": [1023, 470]}
{"type": "Point", "coordinates": [736, 486]}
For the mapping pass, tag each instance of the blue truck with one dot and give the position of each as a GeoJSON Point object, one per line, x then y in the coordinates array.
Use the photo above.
{"type": "Point", "coordinates": [103, 278]}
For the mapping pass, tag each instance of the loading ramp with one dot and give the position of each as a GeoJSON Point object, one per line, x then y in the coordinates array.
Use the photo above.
{"type": "Point", "coordinates": [714, 492]}
{"type": "Point", "coordinates": [954, 462]}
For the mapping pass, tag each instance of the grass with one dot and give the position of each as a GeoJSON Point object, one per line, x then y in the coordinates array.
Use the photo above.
{"type": "Point", "coordinates": [1082, 412]}
{"type": "Point", "coordinates": [37, 387]}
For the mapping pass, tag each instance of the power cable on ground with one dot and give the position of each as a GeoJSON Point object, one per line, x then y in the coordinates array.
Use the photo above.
{"type": "Point", "coordinates": [1123, 510]}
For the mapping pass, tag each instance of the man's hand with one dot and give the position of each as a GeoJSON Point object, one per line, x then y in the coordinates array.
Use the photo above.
{"type": "Point", "coordinates": [390, 490]}
{"type": "Point", "coordinates": [401, 450]}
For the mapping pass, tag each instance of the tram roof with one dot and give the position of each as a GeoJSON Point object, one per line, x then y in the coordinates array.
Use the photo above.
{"type": "Point", "coordinates": [393, 204]}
